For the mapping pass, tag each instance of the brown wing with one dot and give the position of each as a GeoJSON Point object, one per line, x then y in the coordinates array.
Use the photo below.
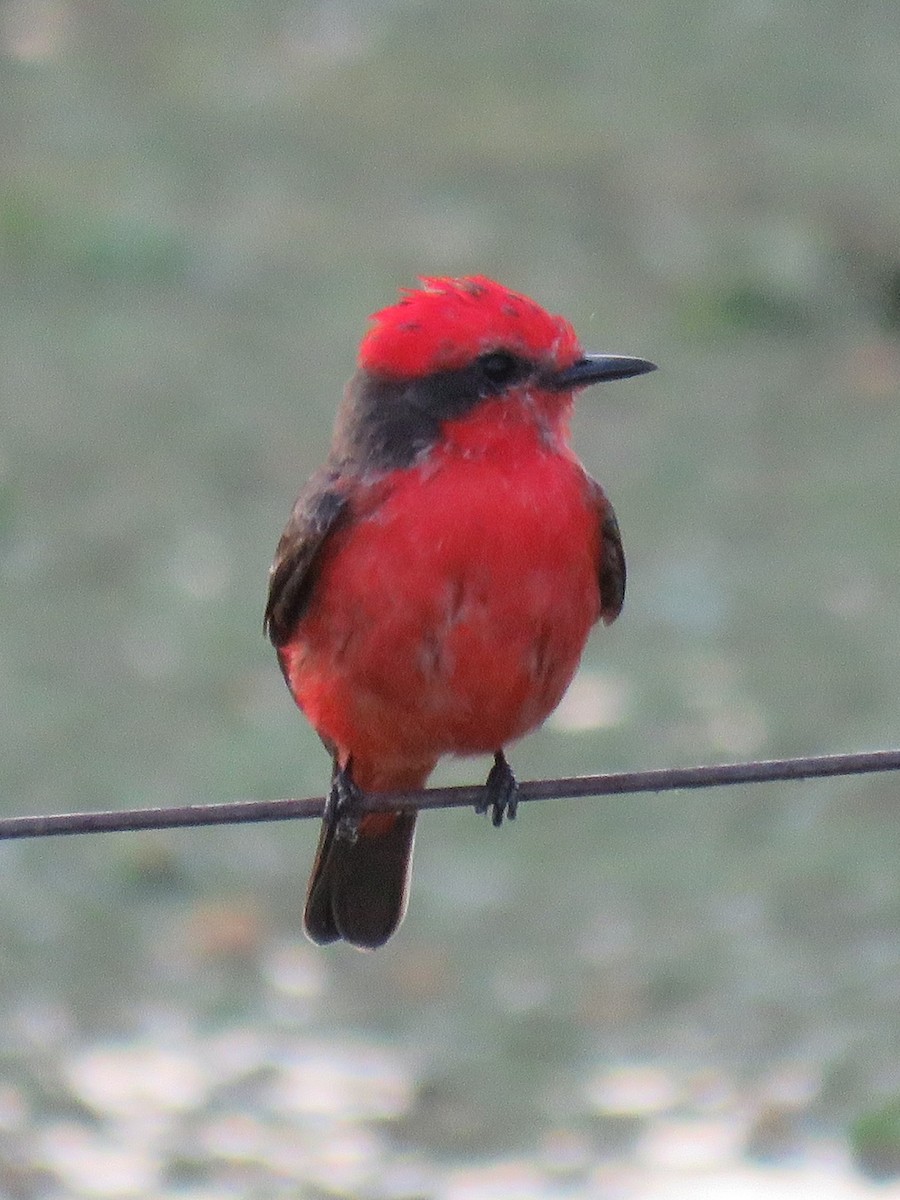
{"type": "Point", "coordinates": [611, 567]}
{"type": "Point", "coordinates": [316, 514]}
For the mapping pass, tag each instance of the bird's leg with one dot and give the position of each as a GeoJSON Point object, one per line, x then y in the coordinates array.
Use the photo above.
{"type": "Point", "coordinates": [501, 792]}
{"type": "Point", "coordinates": [342, 808]}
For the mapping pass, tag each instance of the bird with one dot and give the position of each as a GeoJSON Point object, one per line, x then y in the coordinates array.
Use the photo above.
{"type": "Point", "coordinates": [439, 575]}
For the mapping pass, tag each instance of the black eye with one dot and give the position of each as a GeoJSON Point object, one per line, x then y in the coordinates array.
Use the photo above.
{"type": "Point", "coordinates": [499, 368]}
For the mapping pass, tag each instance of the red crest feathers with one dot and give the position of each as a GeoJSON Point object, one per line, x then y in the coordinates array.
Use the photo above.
{"type": "Point", "coordinates": [448, 322]}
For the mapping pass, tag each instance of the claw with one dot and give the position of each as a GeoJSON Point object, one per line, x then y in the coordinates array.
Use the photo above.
{"type": "Point", "coordinates": [342, 805]}
{"type": "Point", "coordinates": [501, 792]}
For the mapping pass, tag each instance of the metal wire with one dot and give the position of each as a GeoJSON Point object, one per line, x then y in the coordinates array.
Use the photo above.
{"type": "Point", "coordinates": [664, 780]}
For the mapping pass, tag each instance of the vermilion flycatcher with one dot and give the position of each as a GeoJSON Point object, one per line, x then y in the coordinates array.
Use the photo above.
{"type": "Point", "coordinates": [439, 575]}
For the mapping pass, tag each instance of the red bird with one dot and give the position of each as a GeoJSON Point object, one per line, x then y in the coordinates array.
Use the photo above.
{"type": "Point", "coordinates": [439, 575]}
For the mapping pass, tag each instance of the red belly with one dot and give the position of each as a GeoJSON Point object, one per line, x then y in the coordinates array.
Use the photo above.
{"type": "Point", "coordinates": [450, 614]}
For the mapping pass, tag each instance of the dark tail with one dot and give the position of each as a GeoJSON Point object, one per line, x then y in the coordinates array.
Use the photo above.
{"type": "Point", "coordinates": [358, 888]}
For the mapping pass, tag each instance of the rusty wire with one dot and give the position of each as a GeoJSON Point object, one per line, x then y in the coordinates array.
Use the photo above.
{"type": "Point", "coordinates": [662, 780]}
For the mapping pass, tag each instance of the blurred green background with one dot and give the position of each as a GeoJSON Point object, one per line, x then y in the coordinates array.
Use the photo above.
{"type": "Point", "coordinates": [200, 203]}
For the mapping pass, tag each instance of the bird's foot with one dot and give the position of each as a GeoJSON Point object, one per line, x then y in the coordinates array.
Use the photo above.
{"type": "Point", "coordinates": [501, 792]}
{"type": "Point", "coordinates": [343, 806]}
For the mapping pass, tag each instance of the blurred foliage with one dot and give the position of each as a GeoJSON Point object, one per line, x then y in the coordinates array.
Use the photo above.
{"type": "Point", "coordinates": [875, 1139]}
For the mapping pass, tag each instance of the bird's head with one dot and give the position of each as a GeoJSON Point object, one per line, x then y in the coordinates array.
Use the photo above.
{"type": "Point", "coordinates": [447, 348]}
